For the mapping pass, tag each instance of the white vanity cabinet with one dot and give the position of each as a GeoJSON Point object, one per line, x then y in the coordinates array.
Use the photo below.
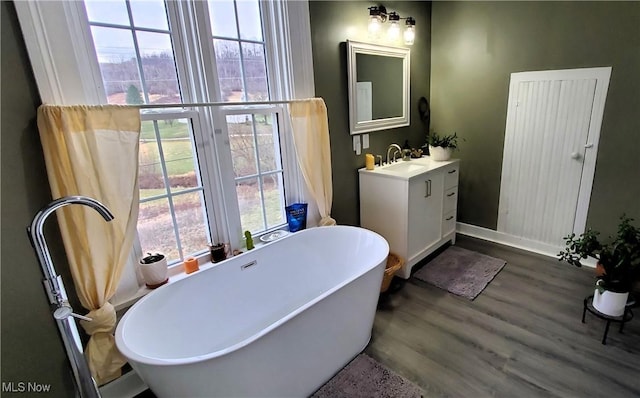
{"type": "Point", "coordinates": [412, 205]}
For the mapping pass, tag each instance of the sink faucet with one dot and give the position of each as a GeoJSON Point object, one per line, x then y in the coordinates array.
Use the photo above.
{"type": "Point", "coordinates": [58, 296]}
{"type": "Point", "coordinates": [393, 146]}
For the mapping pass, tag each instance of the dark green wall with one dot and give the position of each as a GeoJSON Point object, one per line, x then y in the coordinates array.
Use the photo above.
{"type": "Point", "coordinates": [475, 47]}
{"type": "Point", "coordinates": [332, 23]}
{"type": "Point", "coordinates": [31, 347]}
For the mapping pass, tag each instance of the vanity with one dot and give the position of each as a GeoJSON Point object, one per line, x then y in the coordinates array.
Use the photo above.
{"type": "Point", "coordinates": [412, 204]}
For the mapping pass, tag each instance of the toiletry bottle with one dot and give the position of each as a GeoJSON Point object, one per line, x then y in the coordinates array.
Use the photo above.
{"type": "Point", "coordinates": [369, 161]}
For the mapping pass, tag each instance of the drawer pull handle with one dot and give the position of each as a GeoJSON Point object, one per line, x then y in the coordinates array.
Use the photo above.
{"type": "Point", "coordinates": [451, 194]}
{"type": "Point", "coordinates": [449, 218]}
{"type": "Point", "coordinates": [427, 188]}
{"type": "Point", "coordinates": [452, 171]}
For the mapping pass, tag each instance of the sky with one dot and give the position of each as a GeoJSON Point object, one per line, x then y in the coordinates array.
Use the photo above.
{"type": "Point", "coordinates": [114, 45]}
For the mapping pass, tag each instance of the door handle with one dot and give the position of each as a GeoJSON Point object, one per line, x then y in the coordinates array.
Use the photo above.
{"type": "Point", "coordinates": [589, 145]}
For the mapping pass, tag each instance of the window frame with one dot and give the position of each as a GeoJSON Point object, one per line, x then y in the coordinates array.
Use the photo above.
{"type": "Point", "coordinates": [65, 76]}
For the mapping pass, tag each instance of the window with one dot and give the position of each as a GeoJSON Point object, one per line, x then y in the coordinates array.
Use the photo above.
{"type": "Point", "coordinates": [258, 171]}
{"type": "Point", "coordinates": [137, 61]}
{"type": "Point", "coordinates": [206, 174]}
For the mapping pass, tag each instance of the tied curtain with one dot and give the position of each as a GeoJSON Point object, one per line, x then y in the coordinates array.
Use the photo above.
{"type": "Point", "coordinates": [313, 149]}
{"type": "Point", "coordinates": [93, 151]}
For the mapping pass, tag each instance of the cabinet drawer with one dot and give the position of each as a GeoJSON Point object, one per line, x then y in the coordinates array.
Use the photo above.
{"type": "Point", "coordinates": [450, 200]}
{"type": "Point", "coordinates": [448, 223]}
{"type": "Point", "coordinates": [451, 177]}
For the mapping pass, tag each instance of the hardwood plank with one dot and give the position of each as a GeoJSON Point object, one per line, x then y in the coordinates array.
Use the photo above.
{"type": "Point", "coordinates": [522, 336]}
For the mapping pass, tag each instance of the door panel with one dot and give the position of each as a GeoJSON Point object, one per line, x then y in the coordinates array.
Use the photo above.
{"type": "Point", "coordinates": [425, 208]}
{"type": "Point", "coordinates": [543, 157]}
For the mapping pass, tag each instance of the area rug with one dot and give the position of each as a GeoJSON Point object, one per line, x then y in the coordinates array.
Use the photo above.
{"type": "Point", "coordinates": [367, 378]}
{"type": "Point", "coordinates": [460, 271]}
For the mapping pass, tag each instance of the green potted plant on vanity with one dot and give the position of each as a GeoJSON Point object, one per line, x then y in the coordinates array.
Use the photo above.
{"type": "Point", "coordinates": [441, 147]}
{"type": "Point", "coordinates": [618, 264]}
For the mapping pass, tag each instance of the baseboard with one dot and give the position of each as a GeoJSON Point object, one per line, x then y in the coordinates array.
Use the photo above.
{"type": "Point", "coordinates": [126, 386]}
{"type": "Point", "coordinates": [514, 241]}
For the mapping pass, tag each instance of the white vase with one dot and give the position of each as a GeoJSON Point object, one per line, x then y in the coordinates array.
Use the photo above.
{"type": "Point", "coordinates": [610, 303]}
{"type": "Point", "coordinates": [154, 274]}
{"type": "Point", "coordinates": [439, 153]}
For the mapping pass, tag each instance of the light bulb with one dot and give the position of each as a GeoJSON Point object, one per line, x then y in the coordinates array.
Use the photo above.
{"type": "Point", "coordinates": [409, 35]}
{"type": "Point", "coordinates": [374, 27]}
{"type": "Point", "coordinates": [394, 31]}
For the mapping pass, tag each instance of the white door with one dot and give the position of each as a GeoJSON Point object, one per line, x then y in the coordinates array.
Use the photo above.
{"type": "Point", "coordinates": [551, 140]}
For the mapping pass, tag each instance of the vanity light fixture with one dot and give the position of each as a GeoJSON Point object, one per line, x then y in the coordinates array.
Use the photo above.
{"type": "Point", "coordinates": [378, 15]}
{"type": "Point", "coordinates": [393, 33]}
{"type": "Point", "coordinates": [410, 31]}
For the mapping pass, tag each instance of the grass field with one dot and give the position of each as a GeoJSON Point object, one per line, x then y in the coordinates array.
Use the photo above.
{"type": "Point", "coordinates": [155, 225]}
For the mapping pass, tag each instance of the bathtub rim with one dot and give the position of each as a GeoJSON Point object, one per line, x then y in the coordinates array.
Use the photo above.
{"type": "Point", "coordinates": [131, 355]}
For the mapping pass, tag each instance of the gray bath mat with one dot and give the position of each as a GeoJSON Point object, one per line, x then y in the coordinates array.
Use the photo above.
{"type": "Point", "coordinates": [366, 378]}
{"type": "Point", "coordinates": [460, 271]}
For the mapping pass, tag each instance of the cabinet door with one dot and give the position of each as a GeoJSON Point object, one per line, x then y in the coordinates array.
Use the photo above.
{"type": "Point", "coordinates": [425, 212]}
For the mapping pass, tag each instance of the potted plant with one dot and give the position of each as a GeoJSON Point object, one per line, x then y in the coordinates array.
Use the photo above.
{"type": "Point", "coordinates": [441, 148]}
{"type": "Point", "coordinates": [618, 260]}
{"type": "Point", "coordinates": [154, 269]}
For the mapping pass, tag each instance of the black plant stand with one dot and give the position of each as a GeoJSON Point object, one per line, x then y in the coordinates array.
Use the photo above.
{"type": "Point", "coordinates": [626, 316]}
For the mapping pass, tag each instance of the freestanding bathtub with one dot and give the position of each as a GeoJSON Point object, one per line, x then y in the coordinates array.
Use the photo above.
{"type": "Point", "coordinates": [276, 321]}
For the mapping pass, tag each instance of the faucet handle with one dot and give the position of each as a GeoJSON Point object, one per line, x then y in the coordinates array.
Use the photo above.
{"type": "Point", "coordinates": [65, 311]}
{"type": "Point", "coordinates": [379, 156]}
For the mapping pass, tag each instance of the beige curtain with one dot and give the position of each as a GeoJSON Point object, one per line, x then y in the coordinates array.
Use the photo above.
{"type": "Point", "coordinates": [93, 151]}
{"type": "Point", "coordinates": [313, 148]}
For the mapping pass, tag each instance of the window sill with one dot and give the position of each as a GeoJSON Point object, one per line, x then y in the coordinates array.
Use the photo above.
{"type": "Point", "coordinates": [175, 273]}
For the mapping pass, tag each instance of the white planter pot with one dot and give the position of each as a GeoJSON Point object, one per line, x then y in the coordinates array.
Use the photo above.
{"type": "Point", "coordinates": [610, 303]}
{"type": "Point", "coordinates": [439, 153]}
{"type": "Point", "coordinates": [154, 274]}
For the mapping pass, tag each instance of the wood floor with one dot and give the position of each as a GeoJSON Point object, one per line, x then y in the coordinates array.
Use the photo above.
{"type": "Point", "coordinates": [521, 337]}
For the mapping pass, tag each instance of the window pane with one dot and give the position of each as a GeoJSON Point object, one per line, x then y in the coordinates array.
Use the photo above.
{"type": "Point", "coordinates": [150, 170]}
{"type": "Point", "coordinates": [255, 70]}
{"type": "Point", "coordinates": [179, 155]}
{"type": "Point", "coordinates": [229, 70]}
{"type": "Point", "coordinates": [159, 67]}
{"type": "Point", "coordinates": [223, 18]}
{"type": "Point", "coordinates": [155, 229]}
{"type": "Point", "coordinates": [243, 150]}
{"type": "Point", "coordinates": [149, 14]}
{"type": "Point", "coordinates": [249, 20]}
{"type": "Point", "coordinates": [117, 58]}
{"type": "Point", "coordinates": [273, 189]}
{"type": "Point", "coordinates": [268, 145]}
{"type": "Point", "coordinates": [191, 222]}
{"type": "Point", "coordinates": [250, 204]}
{"type": "Point", "coordinates": [113, 12]}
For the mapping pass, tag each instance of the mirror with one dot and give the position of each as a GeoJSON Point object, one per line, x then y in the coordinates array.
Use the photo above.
{"type": "Point", "coordinates": [378, 87]}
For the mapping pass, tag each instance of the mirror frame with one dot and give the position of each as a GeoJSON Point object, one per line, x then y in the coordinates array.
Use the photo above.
{"type": "Point", "coordinates": [354, 48]}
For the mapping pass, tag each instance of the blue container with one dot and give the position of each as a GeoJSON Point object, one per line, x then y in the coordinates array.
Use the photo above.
{"type": "Point", "coordinates": [296, 216]}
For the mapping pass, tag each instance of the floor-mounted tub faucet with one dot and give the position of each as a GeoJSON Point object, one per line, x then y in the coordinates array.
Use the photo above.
{"type": "Point", "coordinates": [58, 296]}
{"type": "Point", "coordinates": [397, 148]}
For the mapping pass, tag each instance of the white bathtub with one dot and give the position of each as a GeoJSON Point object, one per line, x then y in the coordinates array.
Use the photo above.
{"type": "Point", "coordinates": [276, 321]}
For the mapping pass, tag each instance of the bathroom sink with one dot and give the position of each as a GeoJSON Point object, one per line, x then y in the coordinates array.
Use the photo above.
{"type": "Point", "coordinates": [406, 167]}
{"type": "Point", "coordinates": [403, 169]}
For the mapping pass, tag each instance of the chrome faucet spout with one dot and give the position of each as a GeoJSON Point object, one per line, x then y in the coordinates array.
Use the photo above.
{"type": "Point", "coordinates": [36, 235]}
{"type": "Point", "coordinates": [397, 149]}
